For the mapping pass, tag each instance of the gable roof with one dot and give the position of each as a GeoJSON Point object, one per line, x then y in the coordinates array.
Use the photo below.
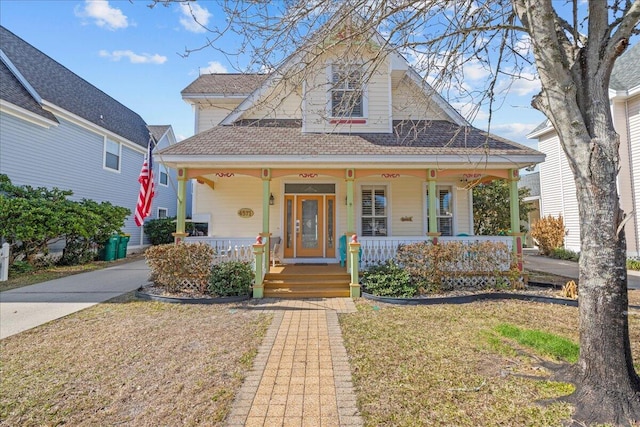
{"type": "Point", "coordinates": [626, 70]}
{"type": "Point", "coordinates": [158, 131]}
{"type": "Point", "coordinates": [62, 88]}
{"type": "Point", "coordinates": [11, 90]}
{"type": "Point", "coordinates": [284, 138]}
{"type": "Point", "coordinates": [224, 84]}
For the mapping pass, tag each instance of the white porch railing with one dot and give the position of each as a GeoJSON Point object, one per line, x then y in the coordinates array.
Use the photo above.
{"type": "Point", "coordinates": [376, 250]}
{"type": "Point", "coordinates": [228, 248]}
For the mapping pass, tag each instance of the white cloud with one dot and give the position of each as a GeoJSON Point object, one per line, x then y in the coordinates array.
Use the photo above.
{"type": "Point", "coordinates": [523, 84]}
{"type": "Point", "coordinates": [513, 130]}
{"type": "Point", "coordinates": [104, 15]}
{"type": "Point", "coordinates": [523, 45]}
{"type": "Point", "coordinates": [134, 58]}
{"type": "Point", "coordinates": [194, 17]}
{"type": "Point", "coordinates": [214, 67]}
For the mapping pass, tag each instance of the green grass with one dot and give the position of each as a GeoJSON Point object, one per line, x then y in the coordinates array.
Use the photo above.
{"type": "Point", "coordinates": [544, 342]}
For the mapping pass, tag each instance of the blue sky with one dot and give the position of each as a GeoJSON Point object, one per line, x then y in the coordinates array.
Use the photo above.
{"type": "Point", "coordinates": [132, 53]}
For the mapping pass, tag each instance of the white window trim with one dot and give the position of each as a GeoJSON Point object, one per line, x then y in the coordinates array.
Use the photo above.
{"type": "Point", "coordinates": [358, 201]}
{"type": "Point", "coordinates": [158, 209]}
{"type": "Point", "coordinates": [454, 205]}
{"type": "Point", "coordinates": [365, 96]}
{"type": "Point", "coordinates": [163, 169]}
{"type": "Point", "coordinates": [104, 155]}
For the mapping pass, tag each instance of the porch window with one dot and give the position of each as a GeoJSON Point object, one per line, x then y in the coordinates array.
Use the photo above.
{"type": "Point", "coordinates": [444, 210]}
{"type": "Point", "coordinates": [346, 91]}
{"type": "Point", "coordinates": [374, 210]}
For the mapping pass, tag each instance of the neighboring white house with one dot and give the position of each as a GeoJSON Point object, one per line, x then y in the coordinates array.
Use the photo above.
{"type": "Point", "coordinates": [558, 190]}
{"type": "Point", "coordinates": [58, 130]}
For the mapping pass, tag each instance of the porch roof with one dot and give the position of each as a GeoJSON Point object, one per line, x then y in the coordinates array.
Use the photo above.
{"type": "Point", "coordinates": [274, 138]}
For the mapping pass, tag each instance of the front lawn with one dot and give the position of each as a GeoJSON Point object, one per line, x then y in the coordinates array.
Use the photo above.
{"type": "Point", "coordinates": [129, 362]}
{"type": "Point", "coordinates": [449, 365]}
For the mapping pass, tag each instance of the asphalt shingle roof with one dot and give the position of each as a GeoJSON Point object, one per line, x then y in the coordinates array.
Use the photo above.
{"type": "Point", "coordinates": [409, 138]}
{"type": "Point", "coordinates": [158, 130]}
{"type": "Point", "coordinates": [60, 86]}
{"type": "Point", "coordinates": [225, 84]}
{"type": "Point", "coordinates": [626, 70]}
{"type": "Point", "coordinates": [13, 91]}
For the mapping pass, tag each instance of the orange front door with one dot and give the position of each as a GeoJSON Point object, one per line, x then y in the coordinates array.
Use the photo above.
{"type": "Point", "coordinates": [309, 226]}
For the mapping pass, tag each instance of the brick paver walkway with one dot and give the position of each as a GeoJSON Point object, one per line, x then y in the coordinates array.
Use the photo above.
{"type": "Point", "coordinates": [301, 375]}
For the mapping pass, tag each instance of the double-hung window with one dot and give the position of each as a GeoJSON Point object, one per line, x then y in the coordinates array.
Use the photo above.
{"type": "Point", "coordinates": [444, 210]}
{"type": "Point", "coordinates": [112, 155]}
{"type": "Point", "coordinates": [346, 91]}
{"type": "Point", "coordinates": [375, 210]}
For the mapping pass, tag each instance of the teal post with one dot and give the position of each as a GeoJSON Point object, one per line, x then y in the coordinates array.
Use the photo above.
{"type": "Point", "coordinates": [354, 254]}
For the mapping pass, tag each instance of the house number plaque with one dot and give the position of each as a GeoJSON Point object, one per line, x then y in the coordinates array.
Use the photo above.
{"type": "Point", "coordinates": [245, 212]}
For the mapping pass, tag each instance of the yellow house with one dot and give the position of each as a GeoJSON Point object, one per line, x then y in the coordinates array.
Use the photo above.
{"type": "Point", "coordinates": [343, 138]}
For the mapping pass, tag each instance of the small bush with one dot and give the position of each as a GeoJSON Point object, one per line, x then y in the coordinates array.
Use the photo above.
{"type": "Point", "coordinates": [570, 290]}
{"type": "Point", "coordinates": [178, 267]}
{"type": "Point", "coordinates": [159, 230]}
{"type": "Point", "coordinates": [549, 233]}
{"type": "Point", "coordinates": [20, 267]}
{"type": "Point", "coordinates": [633, 264]}
{"type": "Point", "coordinates": [389, 280]}
{"type": "Point", "coordinates": [566, 254]}
{"type": "Point", "coordinates": [232, 278]}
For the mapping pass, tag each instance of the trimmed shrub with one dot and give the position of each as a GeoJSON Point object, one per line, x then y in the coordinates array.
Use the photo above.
{"type": "Point", "coordinates": [549, 233]}
{"type": "Point", "coordinates": [232, 278]}
{"type": "Point", "coordinates": [441, 267]}
{"type": "Point", "coordinates": [633, 264]}
{"type": "Point", "coordinates": [389, 280]}
{"type": "Point", "coordinates": [183, 267]}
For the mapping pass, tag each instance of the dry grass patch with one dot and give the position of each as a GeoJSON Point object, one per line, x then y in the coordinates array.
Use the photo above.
{"type": "Point", "coordinates": [446, 365]}
{"type": "Point", "coordinates": [129, 362]}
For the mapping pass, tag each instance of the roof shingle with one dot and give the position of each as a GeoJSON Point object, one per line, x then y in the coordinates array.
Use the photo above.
{"type": "Point", "coordinates": [225, 84]}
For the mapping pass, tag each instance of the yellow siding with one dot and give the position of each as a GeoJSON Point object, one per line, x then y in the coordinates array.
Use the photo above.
{"type": "Point", "coordinates": [407, 199]}
{"type": "Point", "coordinates": [283, 102]}
{"type": "Point", "coordinates": [210, 116]}
{"type": "Point", "coordinates": [411, 103]}
{"type": "Point", "coordinates": [463, 220]}
{"type": "Point", "coordinates": [317, 97]}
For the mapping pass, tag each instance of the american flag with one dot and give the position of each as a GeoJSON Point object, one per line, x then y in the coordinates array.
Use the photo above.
{"type": "Point", "coordinates": [146, 187]}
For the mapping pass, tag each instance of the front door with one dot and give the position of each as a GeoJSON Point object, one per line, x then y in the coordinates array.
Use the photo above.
{"type": "Point", "coordinates": [310, 223]}
{"type": "Point", "coordinates": [310, 226]}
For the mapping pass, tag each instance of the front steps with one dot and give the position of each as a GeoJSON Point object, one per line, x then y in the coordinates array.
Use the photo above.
{"type": "Point", "coordinates": [306, 282]}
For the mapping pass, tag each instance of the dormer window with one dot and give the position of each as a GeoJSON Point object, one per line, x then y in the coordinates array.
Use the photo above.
{"type": "Point", "coordinates": [346, 91]}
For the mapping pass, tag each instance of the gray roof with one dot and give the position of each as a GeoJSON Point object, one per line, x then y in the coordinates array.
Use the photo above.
{"type": "Point", "coordinates": [626, 70]}
{"type": "Point", "coordinates": [225, 84]}
{"type": "Point", "coordinates": [532, 182]}
{"type": "Point", "coordinates": [158, 131]}
{"type": "Point", "coordinates": [276, 137]}
{"type": "Point", "coordinates": [13, 91]}
{"type": "Point", "coordinates": [61, 87]}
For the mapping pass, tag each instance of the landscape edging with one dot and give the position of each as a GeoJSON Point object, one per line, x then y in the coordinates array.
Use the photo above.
{"type": "Point", "coordinates": [466, 299]}
{"type": "Point", "coordinates": [178, 300]}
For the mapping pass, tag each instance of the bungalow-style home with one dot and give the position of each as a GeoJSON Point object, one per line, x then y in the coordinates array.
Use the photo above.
{"type": "Point", "coordinates": [558, 190]}
{"type": "Point", "coordinates": [58, 130]}
{"type": "Point", "coordinates": [343, 138]}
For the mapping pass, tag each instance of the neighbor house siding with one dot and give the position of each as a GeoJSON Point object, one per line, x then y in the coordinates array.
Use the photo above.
{"type": "Point", "coordinates": [166, 197]}
{"type": "Point", "coordinates": [69, 157]}
{"type": "Point", "coordinates": [633, 141]}
{"type": "Point", "coordinates": [558, 189]}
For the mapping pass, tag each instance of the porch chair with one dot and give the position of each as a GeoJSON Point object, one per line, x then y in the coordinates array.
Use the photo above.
{"type": "Point", "coordinates": [274, 248]}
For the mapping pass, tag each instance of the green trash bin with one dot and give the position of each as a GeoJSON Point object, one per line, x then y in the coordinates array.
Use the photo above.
{"type": "Point", "coordinates": [122, 245]}
{"type": "Point", "coordinates": [109, 252]}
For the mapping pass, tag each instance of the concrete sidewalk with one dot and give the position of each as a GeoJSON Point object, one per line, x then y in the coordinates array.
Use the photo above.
{"type": "Point", "coordinates": [27, 307]}
{"type": "Point", "coordinates": [568, 269]}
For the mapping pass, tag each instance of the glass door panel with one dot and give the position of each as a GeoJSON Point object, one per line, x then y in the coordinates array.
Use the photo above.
{"type": "Point", "coordinates": [310, 226]}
